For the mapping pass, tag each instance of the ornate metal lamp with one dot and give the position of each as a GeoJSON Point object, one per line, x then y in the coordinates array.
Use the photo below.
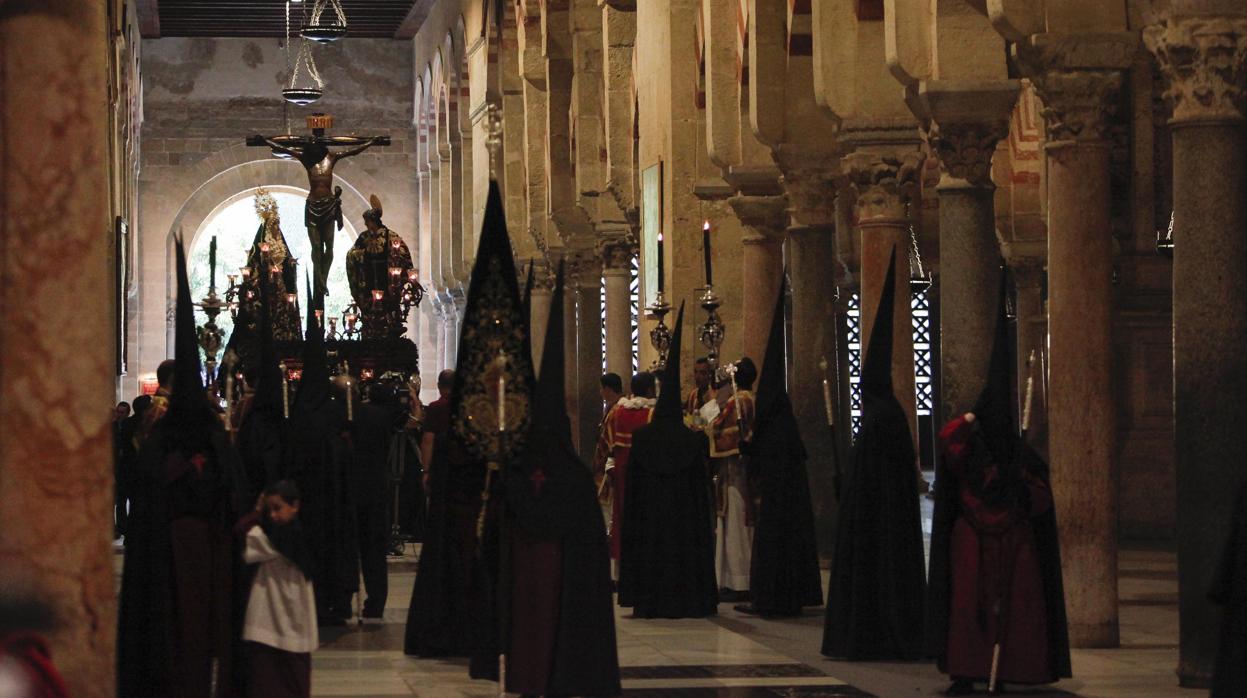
{"type": "Point", "coordinates": [660, 336]}
{"type": "Point", "coordinates": [209, 335]}
{"type": "Point", "coordinates": [324, 29]}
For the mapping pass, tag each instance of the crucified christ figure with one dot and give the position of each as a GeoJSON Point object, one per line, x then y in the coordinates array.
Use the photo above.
{"type": "Point", "coordinates": [324, 201]}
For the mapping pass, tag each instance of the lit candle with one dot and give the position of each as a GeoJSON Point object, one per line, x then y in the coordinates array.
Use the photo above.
{"type": "Point", "coordinates": [285, 391]}
{"type": "Point", "coordinates": [275, 270]}
{"type": "Point", "coordinates": [350, 401]}
{"type": "Point", "coordinates": [246, 273]}
{"type": "Point", "coordinates": [412, 275]}
{"type": "Point", "coordinates": [264, 248]}
{"type": "Point", "coordinates": [291, 298]}
{"type": "Point", "coordinates": [660, 261]}
{"type": "Point", "coordinates": [395, 242]}
{"type": "Point", "coordinates": [212, 263]}
{"type": "Point", "coordinates": [229, 395]}
{"type": "Point", "coordinates": [502, 394]}
{"type": "Point", "coordinates": [377, 296]}
{"type": "Point", "coordinates": [705, 248]}
{"type": "Point", "coordinates": [395, 271]}
{"type": "Point", "coordinates": [320, 314]}
{"type": "Point", "coordinates": [350, 321]}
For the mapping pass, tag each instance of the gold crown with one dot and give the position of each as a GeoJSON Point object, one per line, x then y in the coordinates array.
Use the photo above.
{"type": "Point", "coordinates": [265, 204]}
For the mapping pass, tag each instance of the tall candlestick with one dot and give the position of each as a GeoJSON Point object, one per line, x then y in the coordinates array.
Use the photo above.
{"type": "Point", "coordinates": [229, 396]}
{"type": "Point", "coordinates": [831, 420]}
{"type": "Point", "coordinates": [660, 275]}
{"type": "Point", "coordinates": [705, 247]}
{"type": "Point", "coordinates": [212, 263]}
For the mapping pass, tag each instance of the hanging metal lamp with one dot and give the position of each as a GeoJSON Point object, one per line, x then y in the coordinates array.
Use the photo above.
{"type": "Point", "coordinates": [322, 28]}
{"type": "Point", "coordinates": [307, 91]}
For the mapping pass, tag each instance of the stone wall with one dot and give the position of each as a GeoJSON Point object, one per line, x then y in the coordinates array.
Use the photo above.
{"type": "Point", "coordinates": [202, 97]}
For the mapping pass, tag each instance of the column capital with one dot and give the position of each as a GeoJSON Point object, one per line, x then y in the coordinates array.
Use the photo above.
{"type": "Point", "coordinates": [1204, 60]}
{"type": "Point", "coordinates": [616, 254]}
{"type": "Point", "coordinates": [884, 178]}
{"type": "Point", "coordinates": [583, 269]}
{"type": "Point", "coordinates": [766, 217]}
{"type": "Point", "coordinates": [1078, 104]}
{"type": "Point", "coordinates": [965, 152]}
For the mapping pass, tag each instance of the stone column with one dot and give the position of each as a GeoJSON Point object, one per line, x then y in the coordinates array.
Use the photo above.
{"type": "Point", "coordinates": [885, 179]}
{"type": "Point", "coordinates": [617, 269]}
{"type": "Point", "coordinates": [56, 328]}
{"type": "Point", "coordinates": [1080, 320]}
{"type": "Point", "coordinates": [765, 219]}
{"type": "Point", "coordinates": [1204, 61]}
{"type": "Point", "coordinates": [588, 287]}
{"type": "Point", "coordinates": [969, 257]}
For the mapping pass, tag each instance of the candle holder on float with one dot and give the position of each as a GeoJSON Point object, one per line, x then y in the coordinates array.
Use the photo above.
{"type": "Point", "coordinates": [660, 336]}
{"type": "Point", "coordinates": [712, 332]}
{"type": "Point", "coordinates": [350, 320]}
{"type": "Point", "coordinates": [211, 337]}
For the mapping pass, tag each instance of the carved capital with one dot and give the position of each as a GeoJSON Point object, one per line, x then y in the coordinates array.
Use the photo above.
{"type": "Point", "coordinates": [1078, 104]}
{"type": "Point", "coordinates": [965, 151]}
{"type": "Point", "coordinates": [617, 255]}
{"type": "Point", "coordinates": [764, 216]}
{"type": "Point", "coordinates": [1204, 61]}
{"type": "Point", "coordinates": [884, 181]}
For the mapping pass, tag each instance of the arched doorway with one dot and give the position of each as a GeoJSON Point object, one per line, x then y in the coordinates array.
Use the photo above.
{"type": "Point", "coordinates": [234, 223]}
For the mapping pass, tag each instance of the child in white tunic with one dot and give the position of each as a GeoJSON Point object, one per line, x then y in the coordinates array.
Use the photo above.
{"type": "Point", "coordinates": [280, 627]}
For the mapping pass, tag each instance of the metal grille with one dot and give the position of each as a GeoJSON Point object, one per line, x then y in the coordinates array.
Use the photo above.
{"type": "Point", "coordinates": [924, 388]}
{"type": "Point", "coordinates": [634, 304]}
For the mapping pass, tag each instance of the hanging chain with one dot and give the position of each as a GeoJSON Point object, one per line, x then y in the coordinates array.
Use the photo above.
{"type": "Point", "coordinates": [305, 61]}
{"type": "Point", "coordinates": [915, 257]}
{"type": "Point", "coordinates": [319, 9]}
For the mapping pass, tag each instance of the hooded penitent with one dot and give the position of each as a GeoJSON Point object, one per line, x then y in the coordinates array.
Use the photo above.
{"type": "Point", "coordinates": [995, 572]}
{"type": "Point", "coordinates": [261, 436]}
{"type": "Point", "coordinates": [175, 621]}
{"type": "Point", "coordinates": [666, 565]}
{"type": "Point", "coordinates": [318, 460]}
{"type": "Point", "coordinates": [784, 574]}
{"type": "Point", "coordinates": [453, 589]}
{"type": "Point", "coordinates": [875, 596]}
{"type": "Point", "coordinates": [560, 633]}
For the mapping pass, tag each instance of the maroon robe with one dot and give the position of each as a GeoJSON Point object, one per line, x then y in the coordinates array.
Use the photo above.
{"type": "Point", "coordinates": [994, 563]}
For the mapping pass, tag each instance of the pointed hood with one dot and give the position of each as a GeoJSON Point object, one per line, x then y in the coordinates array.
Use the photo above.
{"type": "Point", "coordinates": [190, 419]}
{"type": "Point", "coordinates": [526, 308]}
{"type": "Point", "coordinates": [994, 408]}
{"type": "Point", "coordinates": [314, 387]}
{"type": "Point", "coordinates": [268, 377]}
{"type": "Point", "coordinates": [877, 370]}
{"type": "Point", "coordinates": [493, 325]}
{"type": "Point", "coordinates": [549, 403]}
{"type": "Point", "coordinates": [772, 380]}
{"type": "Point", "coordinates": [669, 396]}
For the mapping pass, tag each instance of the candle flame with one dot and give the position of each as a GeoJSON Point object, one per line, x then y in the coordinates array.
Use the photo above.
{"type": "Point", "coordinates": [706, 226]}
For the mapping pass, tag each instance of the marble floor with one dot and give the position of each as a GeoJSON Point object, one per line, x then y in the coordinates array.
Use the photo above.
{"type": "Point", "coordinates": [737, 655]}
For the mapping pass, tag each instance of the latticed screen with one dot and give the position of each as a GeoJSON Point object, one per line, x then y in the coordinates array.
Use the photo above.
{"type": "Point", "coordinates": [634, 312]}
{"type": "Point", "coordinates": [634, 305]}
{"type": "Point", "coordinates": [924, 388]}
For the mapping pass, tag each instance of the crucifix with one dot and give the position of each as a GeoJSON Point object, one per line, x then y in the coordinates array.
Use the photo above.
{"type": "Point", "coordinates": [324, 201]}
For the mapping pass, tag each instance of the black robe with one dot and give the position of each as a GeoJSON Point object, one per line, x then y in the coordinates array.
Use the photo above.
{"type": "Point", "coordinates": [666, 565]}
{"type": "Point", "coordinates": [1229, 590]}
{"type": "Point", "coordinates": [318, 459]}
{"type": "Point", "coordinates": [439, 617]}
{"type": "Point", "coordinates": [875, 596]}
{"type": "Point", "coordinates": [783, 574]}
{"type": "Point", "coordinates": [177, 595]}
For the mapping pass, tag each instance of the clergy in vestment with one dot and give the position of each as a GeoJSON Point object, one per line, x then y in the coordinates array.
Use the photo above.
{"type": "Point", "coordinates": [630, 413]}
{"type": "Point", "coordinates": [784, 575]}
{"type": "Point", "coordinates": [666, 568]}
{"type": "Point", "coordinates": [875, 595]}
{"type": "Point", "coordinates": [176, 635]}
{"type": "Point", "coordinates": [733, 537]}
